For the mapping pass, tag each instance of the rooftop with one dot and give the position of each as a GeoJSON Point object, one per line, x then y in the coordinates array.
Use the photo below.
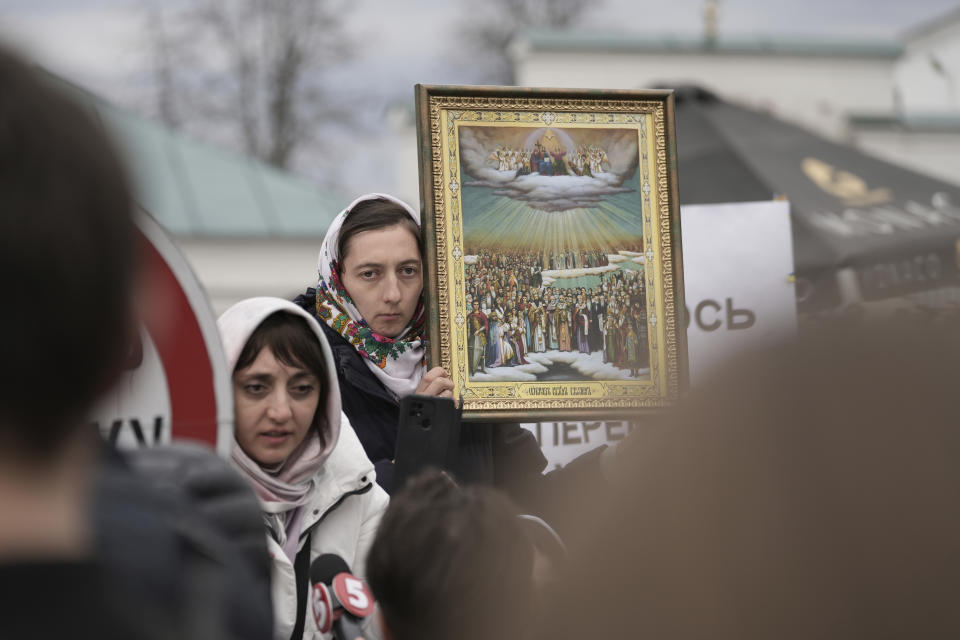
{"type": "Point", "coordinates": [197, 189]}
{"type": "Point", "coordinates": [605, 42]}
{"type": "Point", "coordinates": [918, 122]}
{"type": "Point", "coordinates": [934, 25]}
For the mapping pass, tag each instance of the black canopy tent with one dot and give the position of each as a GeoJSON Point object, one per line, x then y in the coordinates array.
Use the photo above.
{"type": "Point", "coordinates": [863, 229]}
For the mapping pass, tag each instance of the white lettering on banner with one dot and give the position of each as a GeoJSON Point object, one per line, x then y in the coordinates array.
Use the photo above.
{"type": "Point", "coordinates": [931, 216]}
{"type": "Point", "coordinates": [886, 220]}
{"type": "Point", "coordinates": [919, 269]}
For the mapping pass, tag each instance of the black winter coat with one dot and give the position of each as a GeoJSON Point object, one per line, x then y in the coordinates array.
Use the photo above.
{"type": "Point", "coordinates": [504, 455]}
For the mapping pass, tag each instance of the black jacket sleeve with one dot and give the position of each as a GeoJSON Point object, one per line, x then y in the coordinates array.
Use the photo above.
{"type": "Point", "coordinates": [518, 470]}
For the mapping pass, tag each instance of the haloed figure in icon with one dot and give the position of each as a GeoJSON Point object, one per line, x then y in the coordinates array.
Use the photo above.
{"type": "Point", "coordinates": [316, 487]}
{"type": "Point", "coordinates": [477, 328]}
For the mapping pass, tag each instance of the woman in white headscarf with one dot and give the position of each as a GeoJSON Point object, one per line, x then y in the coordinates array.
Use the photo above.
{"type": "Point", "coordinates": [368, 301]}
{"type": "Point", "coordinates": [317, 488]}
{"type": "Point", "coordinates": [370, 305]}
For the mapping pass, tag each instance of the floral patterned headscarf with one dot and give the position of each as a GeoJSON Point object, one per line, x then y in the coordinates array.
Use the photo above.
{"type": "Point", "coordinates": [398, 362]}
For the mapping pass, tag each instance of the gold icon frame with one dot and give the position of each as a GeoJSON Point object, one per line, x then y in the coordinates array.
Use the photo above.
{"type": "Point", "coordinates": [444, 113]}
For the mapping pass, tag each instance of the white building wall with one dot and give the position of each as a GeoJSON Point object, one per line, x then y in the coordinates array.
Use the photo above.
{"type": "Point", "coordinates": [233, 269]}
{"type": "Point", "coordinates": [817, 92]}
{"type": "Point", "coordinates": [934, 154]}
{"type": "Point", "coordinates": [927, 81]}
{"type": "Point", "coordinates": [928, 74]}
{"type": "Point", "coordinates": [408, 168]}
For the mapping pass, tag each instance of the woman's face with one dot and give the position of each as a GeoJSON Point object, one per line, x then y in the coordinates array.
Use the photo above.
{"type": "Point", "coordinates": [274, 404]}
{"type": "Point", "coordinates": [384, 277]}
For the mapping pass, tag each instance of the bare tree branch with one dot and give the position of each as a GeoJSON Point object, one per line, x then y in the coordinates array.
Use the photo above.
{"type": "Point", "coordinates": [162, 67]}
{"type": "Point", "coordinates": [251, 66]}
{"type": "Point", "coordinates": [492, 26]}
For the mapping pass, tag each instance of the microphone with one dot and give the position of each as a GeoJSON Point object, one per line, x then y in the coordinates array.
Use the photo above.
{"type": "Point", "coordinates": [340, 601]}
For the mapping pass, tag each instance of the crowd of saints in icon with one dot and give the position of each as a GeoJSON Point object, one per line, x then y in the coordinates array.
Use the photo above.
{"type": "Point", "coordinates": [554, 264]}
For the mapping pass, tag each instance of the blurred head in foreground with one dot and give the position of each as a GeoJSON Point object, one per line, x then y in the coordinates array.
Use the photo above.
{"type": "Point", "coordinates": [66, 256]}
{"type": "Point", "coordinates": [807, 492]}
{"type": "Point", "coordinates": [451, 562]}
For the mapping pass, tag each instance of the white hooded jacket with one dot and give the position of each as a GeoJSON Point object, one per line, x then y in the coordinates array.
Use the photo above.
{"type": "Point", "coordinates": [345, 504]}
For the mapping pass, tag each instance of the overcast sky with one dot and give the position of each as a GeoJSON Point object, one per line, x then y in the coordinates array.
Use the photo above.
{"type": "Point", "coordinates": [99, 44]}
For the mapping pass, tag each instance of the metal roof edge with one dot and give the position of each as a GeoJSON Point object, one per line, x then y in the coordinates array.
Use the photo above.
{"type": "Point", "coordinates": [932, 25]}
{"type": "Point", "coordinates": [219, 237]}
{"type": "Point", "coordinates": [919, 122]}
{"type": "Point", "coordinates": [175, 140]}
{"type": "Point", "coordinates": [547, 40]}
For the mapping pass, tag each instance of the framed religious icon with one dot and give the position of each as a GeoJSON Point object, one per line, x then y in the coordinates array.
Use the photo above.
{"type": "Point", "coordinates": [552, 241]}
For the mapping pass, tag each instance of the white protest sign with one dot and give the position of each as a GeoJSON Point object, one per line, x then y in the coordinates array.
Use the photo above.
{"type": "Point", "coordinates": [179, 387]}
{"type": "Point", "coordinates": [561, 442]}
{"type": "Point", "coordinates": [738, 285]}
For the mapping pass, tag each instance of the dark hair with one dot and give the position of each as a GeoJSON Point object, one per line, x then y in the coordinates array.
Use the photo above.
{"type": "Point", "coordinates": [370, 215]}
{"type": "Point", "coordinates": [66, 261]}
{"type": "Point", "coordinates": [294, 344]}
{"type": "Point", "coordinates": [451, 562]}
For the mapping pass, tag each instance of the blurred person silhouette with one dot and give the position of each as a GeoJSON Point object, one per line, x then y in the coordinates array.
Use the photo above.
{"type": "Point", "coordinates": [451, 562]}
{"type": "Point", "coordinates": [88, 548]}
{"type": "Point", "coordinates": [317, 488]}
{"type": "Point", "coordinates": [181, 531]}
{"type": "Point", "coordinates": [809, 491]}
{"type": "Point", "coordinates": [66, 235]}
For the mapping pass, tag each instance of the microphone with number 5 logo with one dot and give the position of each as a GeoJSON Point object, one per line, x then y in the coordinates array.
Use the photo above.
{"type": "Point", "coordinates": [340, 601]}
